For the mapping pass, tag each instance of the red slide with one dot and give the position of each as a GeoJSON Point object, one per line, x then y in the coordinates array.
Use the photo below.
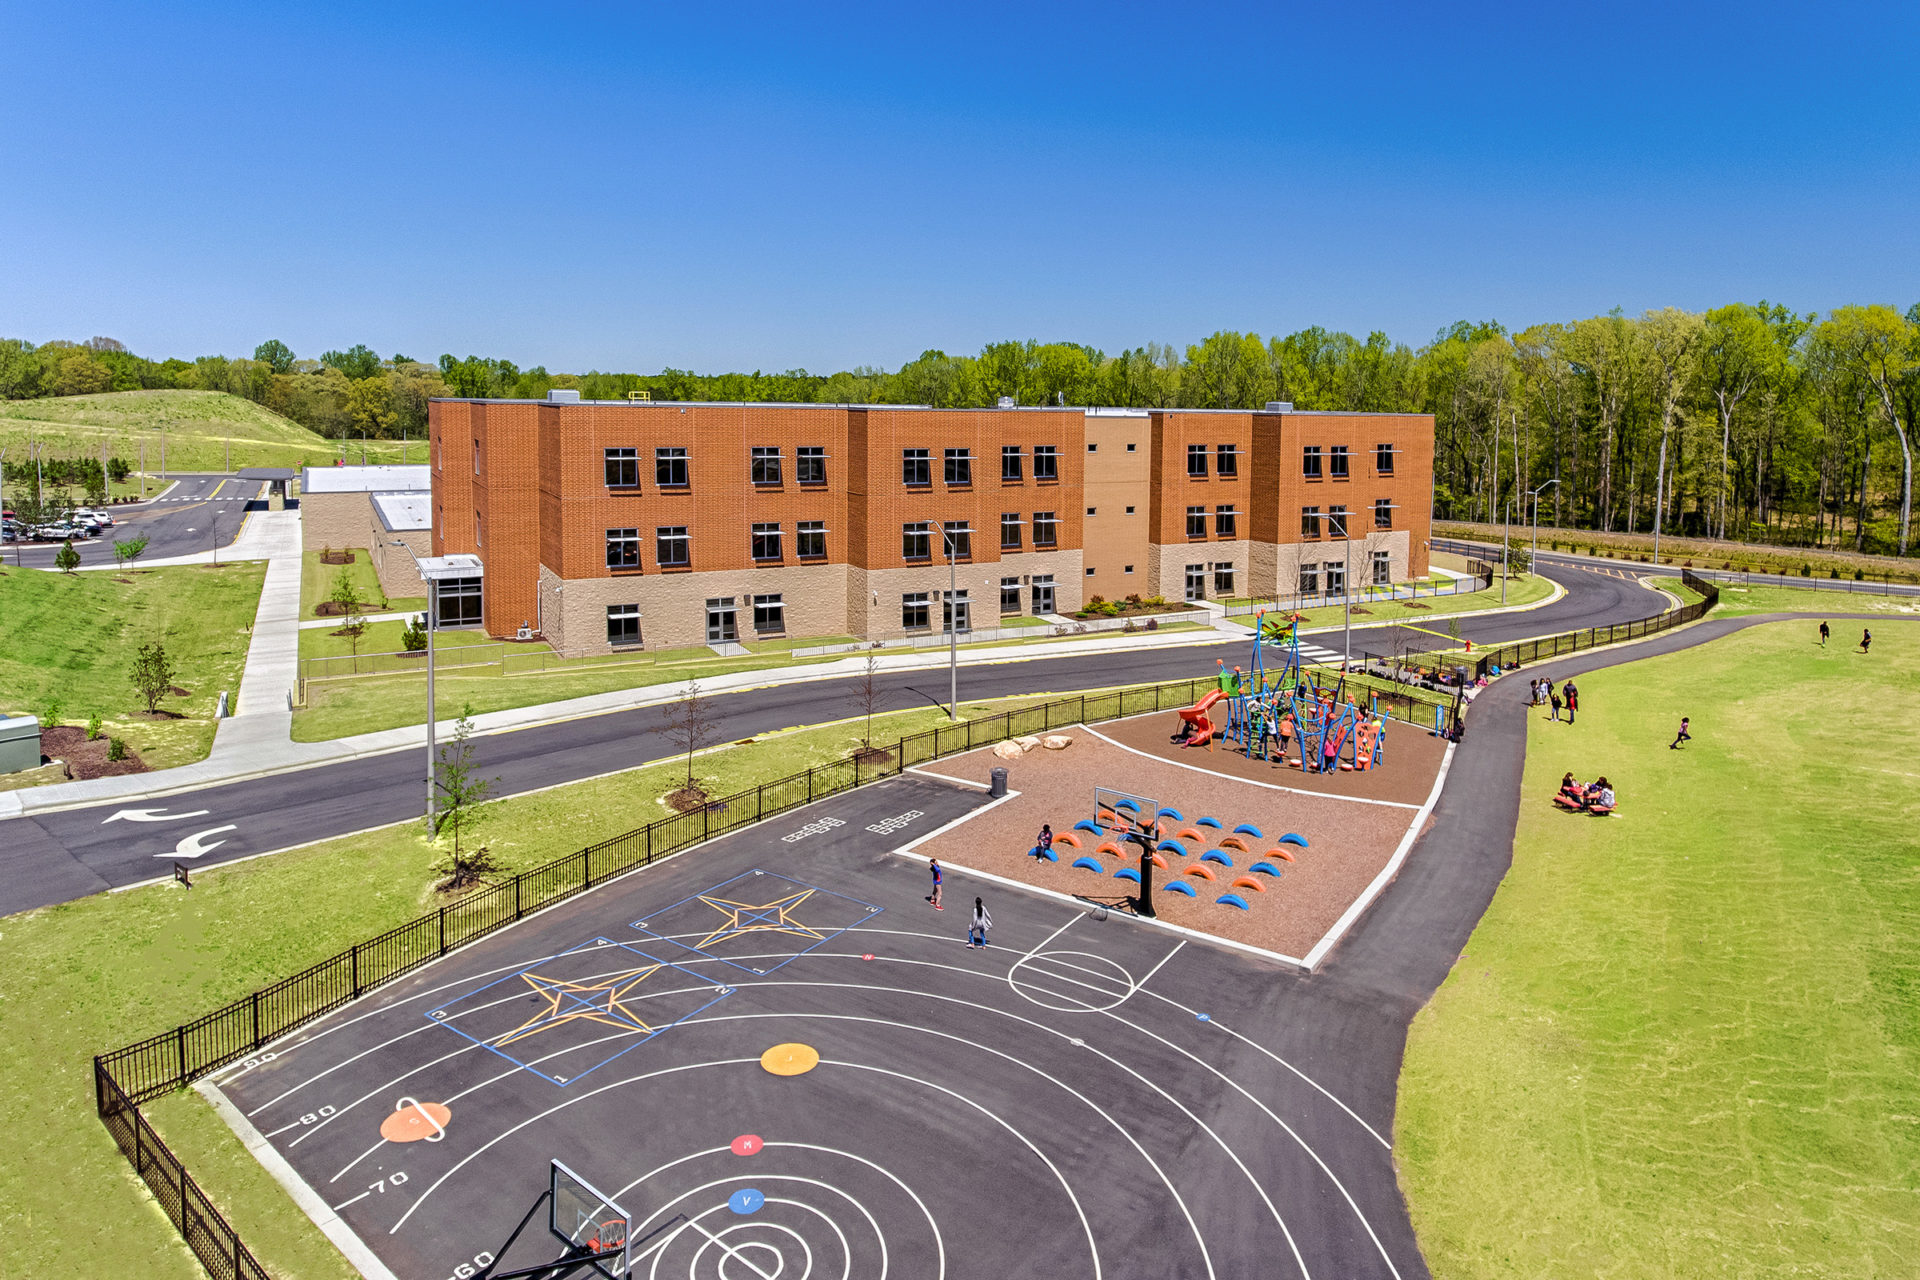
{"type": "Point", "coordinates": [1196, 715]}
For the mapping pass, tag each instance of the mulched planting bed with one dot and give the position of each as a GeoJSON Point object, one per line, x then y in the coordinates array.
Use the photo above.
{"type": "Point", "coordinates": [1348, 843]}
{"type": "Point", "coordinates": [87, 759]}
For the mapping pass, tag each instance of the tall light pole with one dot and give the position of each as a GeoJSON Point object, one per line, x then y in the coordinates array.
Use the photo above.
{"type": "Point", "coordinates": [1506, 537]}
{"type": "Point", "coordinates": [953, 622]}
{"type": "Point", "coordinates": [1534, 495]}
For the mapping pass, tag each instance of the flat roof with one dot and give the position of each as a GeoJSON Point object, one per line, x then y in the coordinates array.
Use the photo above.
{"type": "Point", "coordinates": [403, 512]}
{"type": "Point", "coordinates": [1091, 410]}
{"type": "Point", "coordinates": [365, 479]}
{"type": "Point", "coordinates": [266, 473]}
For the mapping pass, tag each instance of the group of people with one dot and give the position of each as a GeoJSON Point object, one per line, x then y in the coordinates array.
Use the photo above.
{"type": "Point", "coordinates": [1866, 637]}
{"type": "Point", "coordinates": [1546, 693]}
{"type": "Point", "coordinates": [1591, 797]}
{"type": "Point", "coordinates": [978, 924]}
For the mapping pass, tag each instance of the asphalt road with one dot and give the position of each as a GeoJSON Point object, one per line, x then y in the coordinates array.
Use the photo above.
{"type": "Point", "coordinates": [199, 513]}
{"type": "Point", "coordinates": [55, 857]}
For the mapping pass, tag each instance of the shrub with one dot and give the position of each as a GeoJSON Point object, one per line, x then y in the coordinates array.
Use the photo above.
{"type": "Point", "coordinates": [116, 749]}
{"type": "Point", "coordinates": [1857, 575]}
{"type": "Point", "coordinates": [50, 712]}
{"type": "Point", "coordinates": [1133, 601]}
{"type": "Point", "coordinates": [93, 728]}
{"type": "Point", "coordinates": [413, 636]}
{"type": "Point", "coordinates": [1806, 570]}
{"type": "Point", "coordinates": [1153, 624]}
{"type": "Point", "coordinates": [1096, 602]}
{"type": "Point", "coordinates": [1833, 573]}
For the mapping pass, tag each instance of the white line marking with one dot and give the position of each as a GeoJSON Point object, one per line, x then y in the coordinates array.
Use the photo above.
{"type": "Point", "coordinates": [726, 1248]}
{"type": "Point", "coordinates": [356, 1200]}
{"type": "Point", "coordinates": [1056, 933]}
{"type": "Point", "coordinates": [1163, 960]}
{"type": "Point", "coordinates": [872, 1222]}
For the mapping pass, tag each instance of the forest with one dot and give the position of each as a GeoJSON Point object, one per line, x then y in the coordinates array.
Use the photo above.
{"type": "Point", "coordinates": [1749, 421]}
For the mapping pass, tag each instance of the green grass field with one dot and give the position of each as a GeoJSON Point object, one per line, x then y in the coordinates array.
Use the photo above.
{"type": "Point", "coordinates": [316, 586]}
{"type": "Point", "coordinates": [104, 971]}
{"type": "Point", "coordinates": [198, 425]}
{"type": "Point", "coordinates": [73, 638]}
{"type": "Point", "coordinates": [1736, 601]}
{"type": "Point", "coordinates": [1683, 1041]}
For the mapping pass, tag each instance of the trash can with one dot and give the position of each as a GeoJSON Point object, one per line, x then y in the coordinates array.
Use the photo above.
{"type": "Point", "coordinates": [997, 787]}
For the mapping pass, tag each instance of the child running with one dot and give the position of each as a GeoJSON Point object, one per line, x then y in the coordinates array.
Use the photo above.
{"type": "Point", "coordinates": [1684, 736]}
{"type": "Point", "coordinates": [1823, 635]}
{"type": "Point", "coordinates": [1866, 639]}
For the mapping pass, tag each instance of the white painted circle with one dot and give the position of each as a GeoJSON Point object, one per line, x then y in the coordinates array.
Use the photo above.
{"type": "Point", "coordinates": [1069, 983]}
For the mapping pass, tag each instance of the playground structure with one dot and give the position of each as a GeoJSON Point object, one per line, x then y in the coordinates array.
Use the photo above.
{"type": "Point", "coordinates": [1120, 819]}
{"type": "Point", "coordinates": [1265, 712]}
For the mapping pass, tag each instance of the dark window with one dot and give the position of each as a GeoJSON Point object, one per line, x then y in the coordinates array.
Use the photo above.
{"type": "Point", "coordinates": [1310, 462]}
{"type": "Point", "coordinates": [915, 467]}
{"type": "Point", "coordinates": [766, 465]}
{"type": "Point", "coordinates": [957, 538]}
{"type": "Point", "coordinates": [1337, 462]}
{"type": "Point", "coordinates": [623, 624]}
{"type": "Point", "coordinates": [1196, 522]}
{"type": "Point", "coordinates": [1336, 522]}
{"type": "Point", "coordinates": [1309, 522]}
{"type": "Point", "coordinates": [916, 541]}
{"type": "Point", "coordinates": [1223, 577]}
{"type": "Point", "coordinates": [623, 548]}
{"type": "Point", "coordinates": [811, 537]}
{"type": "Point", "coordinates": [913, 611]}
{"type": "Point", "coordinates": [1309, 579]}
{"type": "Point", "coordinates": [459, 602]}
{"type": "Point", "coordinates": [1092, 510]}
{"type": "Point", "coordinates": [1383, 459]}
{"type": "Point", "coordinates": [1009, 462]}
{"type": "Point", "coordinates": [1226, 460]}
{"type": "Point", "coordinates": [1092, 448]}
{"type": "Point", "coordinates": [959, 466]}
{"type": "Point", "coordinates": [769, 613]}
{"type": "Point", "coordinates": [766, 542]}
{"type": "Point", "coordinates": [1009, 595]}
{"type": "Point", "coordinates": [623, 468]}
{"type": "Point", "coordinates": [1129, 450]}
{"type": "Point", "coordinates": [1224, 522]}
{"type": "Point", "coordinates": [670, 468]}
{"type": "Point", "coordinates": [1046, 462]}
{"type": "Point", "coordinates": [1046, 529]}
{"type": "Point", "coordinates": [1382, 514]}
{"type": "Point", "coordinates": [811, 464]}
{"type": "Point", "coordinates": [476, 457]}
{"type": "Point", "coordinates": [671, 547]}
{"type": "Point", "coordinates": [1009, 530]}
{"type": "Point", "coordinates": [1197, 460]}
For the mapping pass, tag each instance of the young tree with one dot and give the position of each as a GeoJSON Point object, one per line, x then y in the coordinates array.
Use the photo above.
{"type": "Point", "coordinates": [867, 696]}
{"type": "Point", "coordinates": [462, 799]}
{"type": "Point", "coordinates": [355, 627]}
{"type": "Point", "coordinates": [152, 674]}
{"type": "Point", "coordinates": [66, 560]}
{"type": "Point", "coordinates": [128, 550]}
{"type": "Point", "coordinates": [688, 723]}
{"type": "Point", "coordinates": [342, 593]}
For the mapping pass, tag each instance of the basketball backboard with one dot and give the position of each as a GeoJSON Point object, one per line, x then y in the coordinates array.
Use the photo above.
{"type": "Point", "coordinates": [588, 1220]}
{"type": "Point", "coordinates": [1122, 814]}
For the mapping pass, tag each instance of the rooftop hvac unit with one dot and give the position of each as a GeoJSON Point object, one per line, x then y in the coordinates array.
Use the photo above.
{"type": "Point", "coordinates": [1279, 406]}
{"type": "Point", "coordinates": [556, 395]}
{"type": "Point", "coordinates": [1005, 402]}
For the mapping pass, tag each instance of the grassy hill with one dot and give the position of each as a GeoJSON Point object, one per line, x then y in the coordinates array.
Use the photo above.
{"type": "Point", "coordinates": [198, 427]}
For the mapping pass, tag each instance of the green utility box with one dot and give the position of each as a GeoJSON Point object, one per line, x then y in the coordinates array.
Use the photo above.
{"type": "Point", "coordinates": [19, 743]}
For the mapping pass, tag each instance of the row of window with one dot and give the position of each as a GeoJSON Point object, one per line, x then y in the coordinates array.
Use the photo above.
{"type": "Point", "coordinates": [768, 468]}
{"type": "Point", "coordinates": [1333, 522]}
{"type": "Point", "coordinates": [672, 548]}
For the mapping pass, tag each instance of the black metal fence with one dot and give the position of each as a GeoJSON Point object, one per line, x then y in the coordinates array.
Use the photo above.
{"type": "Point", "coordinates": [125, 1078]}
{"type": "Point", "coordinates": [1508, 656]}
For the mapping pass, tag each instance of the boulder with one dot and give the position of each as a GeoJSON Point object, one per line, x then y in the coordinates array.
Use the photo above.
{"type": "Point", "coordinates": [1007, 750]}
{"type": "Point", "coordinates": [1027, 743]}
{"type": "Point", "coordinates": [1056, 742]}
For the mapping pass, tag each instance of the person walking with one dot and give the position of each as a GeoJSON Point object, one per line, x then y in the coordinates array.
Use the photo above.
{"type": "Point", "coordinates": [934, 897]}
{"type": "Point", "coordinates": [978, 927]}
{"type": "Point", "coordinates": [1553, 698]}
{"type": "Point", "coordinates": [1573, 699]}
{"type": "Point", "coordinates": [1684, 736]}
{"type": "Point", "coordinates": [1043, 843]}
{"type": "Point", "coordinates": [1866, 638]}
{"type": "Point", "coordinates": [1823, 635]}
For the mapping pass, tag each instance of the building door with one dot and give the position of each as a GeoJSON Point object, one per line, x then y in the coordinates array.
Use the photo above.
{"type": "Point", "coordinates": [956, 613]}
{"type": "Point", "coordinates": [1042, 594]}
{"type": "Point", "coordinates": [1196, 582]}
{"type": "Point", "coordinates": [720, 628]}
{"type": "Point", "coordinates": [1336, 572]}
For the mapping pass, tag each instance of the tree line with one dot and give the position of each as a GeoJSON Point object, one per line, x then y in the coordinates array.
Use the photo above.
{"type": "Point", "coordinates": [1748, 421]}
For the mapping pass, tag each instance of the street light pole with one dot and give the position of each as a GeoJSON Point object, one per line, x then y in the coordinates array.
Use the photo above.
{"type": "Point", "coordinates": [1535, 495]}
{"type": "Point", "coordinates": [1506, 537]}
{"type": "Point", "coordinates": [953, 623]}
{"type": "Point", "coordinates": [1346, 596]}
{"type": "Point", "coordinates": [433, 614]}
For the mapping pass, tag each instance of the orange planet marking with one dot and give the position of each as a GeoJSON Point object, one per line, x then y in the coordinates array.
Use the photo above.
{"type": "Point", "coordinates": [415, 1122]}
{"type": "Point", "coordinates": [790, 1059]}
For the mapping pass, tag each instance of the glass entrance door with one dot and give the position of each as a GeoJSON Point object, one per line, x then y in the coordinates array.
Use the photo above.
{"type": "Point", "coordinates": [720, 628]}
{"type": "Point", "coordinates": [1196, 582]}
{"type": "Point", "coordinates": [1043, 595]}
{"type": "Point", "coordinates": [956, 613]}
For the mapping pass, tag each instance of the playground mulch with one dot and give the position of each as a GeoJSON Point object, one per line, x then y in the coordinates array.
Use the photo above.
{"type": "Point", "coordinates": [1348, 843]}
{"type": "Point", "coordinates": [1405, 774]}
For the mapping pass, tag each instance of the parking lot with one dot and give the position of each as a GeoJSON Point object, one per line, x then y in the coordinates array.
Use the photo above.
{"type": "Point", "coordinates": [195, 513]}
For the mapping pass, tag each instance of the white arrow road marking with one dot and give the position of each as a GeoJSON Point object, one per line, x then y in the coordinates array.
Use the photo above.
{"type": "Point", "coordinates": [191, 846]}
{"type": "Point", "coordinates": [151, 815]}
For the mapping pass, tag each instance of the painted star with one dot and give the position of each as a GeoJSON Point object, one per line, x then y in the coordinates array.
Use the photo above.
{"type": "Point", "coordinates": [599, 1001]}
{"type": "Point", "coordinates": [759, 917]}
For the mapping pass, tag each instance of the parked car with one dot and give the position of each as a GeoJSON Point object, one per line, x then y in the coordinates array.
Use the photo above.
{"type": "Point", "coordinates": [95, 514]}
{"type": "Point", "coordinates": [59, 532]}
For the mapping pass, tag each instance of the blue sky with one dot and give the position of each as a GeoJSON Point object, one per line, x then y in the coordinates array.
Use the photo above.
{"type": "Point", "coordinates": [724, 186]}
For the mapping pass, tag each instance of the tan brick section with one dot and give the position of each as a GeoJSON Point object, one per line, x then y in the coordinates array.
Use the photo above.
{"type": "Point", "coordinates": [524, 485]}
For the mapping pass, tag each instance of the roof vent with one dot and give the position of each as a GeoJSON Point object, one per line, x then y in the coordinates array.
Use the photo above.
{"type": "Point", "coordinates": [1279, 406]}
{"type": "Point", "coordinates": [556, 395]}
{"type": "Point", "coordinates": [1005, 402]}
